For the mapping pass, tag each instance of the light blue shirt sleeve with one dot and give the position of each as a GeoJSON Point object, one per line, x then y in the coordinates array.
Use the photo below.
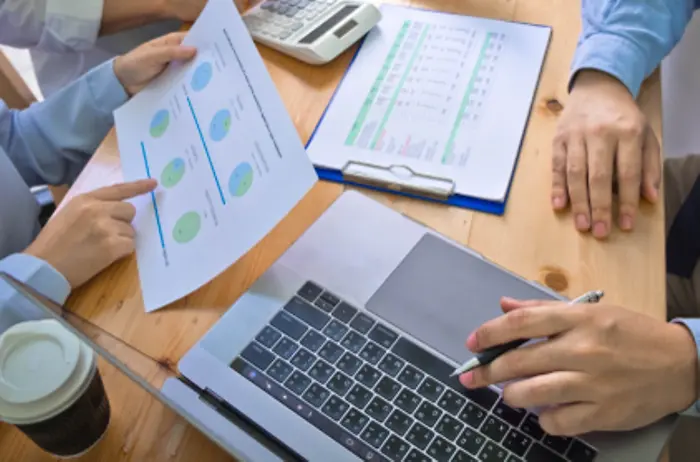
{"type": "Point", "coordinates": [693, 325]}
{"type": "Point", "coordinates": [37, 274]}
{"type": "Point", "coordinates": [628, 39]}
{"type": "Point", "coordinates": [51, 141]}
{"type": "Point", "coordinates": [51, 25]}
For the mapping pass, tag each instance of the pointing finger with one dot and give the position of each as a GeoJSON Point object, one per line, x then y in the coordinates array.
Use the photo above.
{"type": "Point", "coordinates": [123, 191]}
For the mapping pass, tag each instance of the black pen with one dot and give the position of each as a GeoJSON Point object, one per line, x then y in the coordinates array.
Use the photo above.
{"type": "Point", "coordinates": [490, 354]}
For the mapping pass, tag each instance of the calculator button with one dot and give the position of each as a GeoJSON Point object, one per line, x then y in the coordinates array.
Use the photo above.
{"type": "Point", "coordinates": [297, 25]}
{"type": "Point", "coordinates": [283, 9]}
{"type": "Point", "coordinates": [284, 35]}
{"type": "Point", "coordinates": [292, 12]}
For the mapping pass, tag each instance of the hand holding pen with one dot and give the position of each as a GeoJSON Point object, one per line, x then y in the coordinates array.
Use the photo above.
{"type": "Point", "coordinates": [490, 354]}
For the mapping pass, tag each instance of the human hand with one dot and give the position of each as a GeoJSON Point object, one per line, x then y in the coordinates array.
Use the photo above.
{"type": "Point", "coordinates": [603, 137]}
{"type": "Point", "coordinates": [91, 232]}
{"type": "Point", "coordinates": [144, 63]}
{"type": "Point", "coordinates": [600, 367]}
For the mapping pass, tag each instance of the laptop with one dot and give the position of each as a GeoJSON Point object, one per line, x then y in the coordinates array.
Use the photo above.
{"type": "Point", "coordinates": [342, 351]}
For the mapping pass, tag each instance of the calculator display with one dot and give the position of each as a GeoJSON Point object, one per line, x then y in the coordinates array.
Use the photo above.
{"type": "Point", "coordinates": [329, 23]}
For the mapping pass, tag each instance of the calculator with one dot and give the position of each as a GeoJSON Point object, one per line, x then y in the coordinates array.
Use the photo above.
{"type": "Point", "coordinates": [313, 31]}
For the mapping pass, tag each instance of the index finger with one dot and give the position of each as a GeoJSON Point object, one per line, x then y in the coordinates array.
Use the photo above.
{"type": "Point", "coordinates": [123, 191]}
{"type": "Point", "coordinates": [524, 323]}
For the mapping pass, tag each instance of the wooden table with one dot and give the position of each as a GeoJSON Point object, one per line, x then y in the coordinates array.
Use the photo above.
{"type": "Point", "coordinates": [529, 239]}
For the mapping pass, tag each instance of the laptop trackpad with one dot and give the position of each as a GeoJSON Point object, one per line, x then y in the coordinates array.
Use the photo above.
{"type": "Point", "coordinates": [440, 293]}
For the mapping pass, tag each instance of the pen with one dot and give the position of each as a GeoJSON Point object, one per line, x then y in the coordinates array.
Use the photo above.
{"type": "Point", "coordinates": [488, 355]}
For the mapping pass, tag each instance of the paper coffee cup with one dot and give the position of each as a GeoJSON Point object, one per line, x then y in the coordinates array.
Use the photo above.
{"type": "Point", "coordinates": [50, 388]}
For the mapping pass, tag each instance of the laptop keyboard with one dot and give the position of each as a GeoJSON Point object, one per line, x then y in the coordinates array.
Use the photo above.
{"type": "Point", "coordinates": [382, 396]}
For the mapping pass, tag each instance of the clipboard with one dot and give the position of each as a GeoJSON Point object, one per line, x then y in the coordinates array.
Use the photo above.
{"type": "Point", "coordinates": [402, 179]}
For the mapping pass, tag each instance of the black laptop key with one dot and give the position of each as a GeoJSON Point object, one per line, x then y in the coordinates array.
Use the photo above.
{"type": "Point", "coordinates": [512, 458]}
{"type": "Point", "coordinates": [471, 441]}
{"type": "Point", "coordinates": [362, 323]}
{"type": "Point", "coordinates": [354, 421]}
{"type": "Point", "coordinates": [399, 422]}
{"type": "Point", "coordinates": [330, 298]}
{"type": "Point", "coordinates": [449, 427]}
{"type": "Point", "coordinates": [419, 435]}
{"type": "Point", "coordinates": [492, 453]}
{"type": "Point", "coordinates": [280, 370]}
{"type": "Point", "coordinates": [539, 453]}
{"type": "Point", "coordinates": [558, 443]}
{"type": "Point", "coordinates": [391, 365]}
{"type": "Point", "coordinates": [285, 347]}
{"type": "Point", "coordinates": [378, 409]}
{"type": "Point", "coordinates": [427, 414]}
{"type": "Point", "coordinates": [531, 426]}
{"type": "Point", "coordinates": [340, 383]}
{"type": "Point", "coordinates": [494, 428]}
{"type": "Point", "coordinates": [417, 456]}
{"type": "Point", "coordinates": [387, 388]}
{"type": "Point", "coordinates": [335, 407]}
{"type": "Point", "coordinates": [331, 352]}
{"type": "Point", "coordinates": [395, 448]}
{"type": "Point", "coordinates": [359, 396]}
{"type": "Point", "coordinates": [451, 402]}
{"type": "Point", "coordinates": [349, 363]}
{"type": "Point", "coordinates": [268, 336]}
{"type": "Point", "coordinates": [407, 401]}
{"type": "Point", "coordinates": [372, 353]}
{"type": "Point", "coordinates": [313, 340]}
{"type": "Point", "coordinates": [297, 382]}
{"type": "Point", "coordinates": [375, 434]}
{"type": "Point", "coordinates": [353, 341]}
{"type": "Point", "coordinates": [580, 452]}
{"type": "Point", "coordinates": [324, 305]}
{"type": "Point", "coordinates": [431, 389]}
{"type": "Point", "coordinates": [289, 325]}
{"type": "Point", "coordinates": [257, 355]}
{"type": "Point", "coordinates": [303, 359]}
{"type": "Point", "coordinates": [316, 395]}
{"type": "Point", "coordinates": [310, 291]}
{"type": "Point", "coordinates": [484, 397]}
{"type": "Point", "coordinates": [422, 359]}
{"type": "Point", "coordinates": [336, 330]}
{"type": "Point", "coordinates": [383, 335]}
{"type": "Point", "coordinates": [368, 376]}
{"type": "Point", "coordinates": [472, 415]}
{"type": "Point", "coordinates": [517, 442]}
{"type": "Point", "coordinates": [321, 371]}
{"type": "Point", "coordinates": [410, 376]}
{"type": "Point", "coordinates": [441, 450]}
{"type": "Point", "coordinates": [511, 415]}
{"type": "Point", "coordinates": [462, 456]}
{"type": "Point", "coordinates": [344, 312]}
{"type": "Point", "coordinates": [307, 313]}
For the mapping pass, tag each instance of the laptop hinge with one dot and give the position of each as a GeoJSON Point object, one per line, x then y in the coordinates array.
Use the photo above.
{"type": "Point", "coordinates": [224, 408]}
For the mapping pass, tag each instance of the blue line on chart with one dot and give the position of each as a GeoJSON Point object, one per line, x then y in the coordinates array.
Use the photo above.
{"type": "Point", "coordinates": [153, 196]}
{"type": "Point", "coordinates": [206, 150]}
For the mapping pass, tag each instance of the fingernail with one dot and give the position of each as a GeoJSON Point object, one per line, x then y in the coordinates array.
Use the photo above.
{"type": "Point", "coordinates": [508, 299]}
{"type": "Point", "coordinates": [558, 202]}
{"type": "Point", "coordinates": [466, 378]}
{"type": "Point", "coordinates": [600, 229]}
{"type": "Point", "coordinates": [471, 341]}
{"type": "Point", "coordinates": [626, 222]}
{"type": "Point", "coordinates": [581, 221]}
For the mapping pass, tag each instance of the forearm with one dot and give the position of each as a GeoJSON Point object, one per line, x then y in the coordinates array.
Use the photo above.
{"type": "Point", "coordinates": [118, 15]}
{"type": "Point", "coordinates": [628, 38]}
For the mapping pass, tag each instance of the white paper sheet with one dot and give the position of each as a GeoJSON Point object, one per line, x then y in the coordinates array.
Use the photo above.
{"type": "Point", "coordinates": [680, 93]}
{"type": "Point", "coordinates": [445, 95]}
{"type": "Point", "coordinates": [229, 162]}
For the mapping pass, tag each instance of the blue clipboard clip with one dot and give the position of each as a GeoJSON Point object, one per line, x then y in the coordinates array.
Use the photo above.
{"type": "Point", "coordinates": [400, 179]}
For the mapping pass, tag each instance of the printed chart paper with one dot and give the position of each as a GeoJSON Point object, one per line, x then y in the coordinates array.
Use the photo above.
{"type": "Point", "coordinates": [445, 95]}
{"type": "Point", "coordinates": [215, 134]}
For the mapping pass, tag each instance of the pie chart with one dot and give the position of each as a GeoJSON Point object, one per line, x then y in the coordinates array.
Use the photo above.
{"type": "Point", "coordinates": [187, 227]}
{"type": "Point", "coordinates": [201, 77]}
{"type": "Point", "coordinates": [173, 173]}
{"type": "Point", "coordinates": [159, 123]}
{"type": "Point", "coordinates": [220, 125]}
{"type": "Point", "coordinates": [241, 179]}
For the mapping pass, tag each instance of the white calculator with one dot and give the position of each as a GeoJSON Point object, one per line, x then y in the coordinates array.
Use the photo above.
{"type": "Point", "coordinates": [313, 31]}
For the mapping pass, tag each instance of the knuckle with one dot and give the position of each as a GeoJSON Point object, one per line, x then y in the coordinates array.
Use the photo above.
{"type": "Point", "coordinates": [631, 128]}
{"type": "Point", "coordinates": [600, 175]}
{"type": "Point", "coordinates": [518, 319]}
{"type": "Point", "coordinates": [629, 174]}
{"type": "Point", "coordinates": [598, 129]}
{"type": "Point", "coordinates": [575, 169]}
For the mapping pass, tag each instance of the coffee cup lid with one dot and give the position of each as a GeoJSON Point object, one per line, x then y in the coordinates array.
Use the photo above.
{"type": "Point", "coordinates": [40, 365]}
